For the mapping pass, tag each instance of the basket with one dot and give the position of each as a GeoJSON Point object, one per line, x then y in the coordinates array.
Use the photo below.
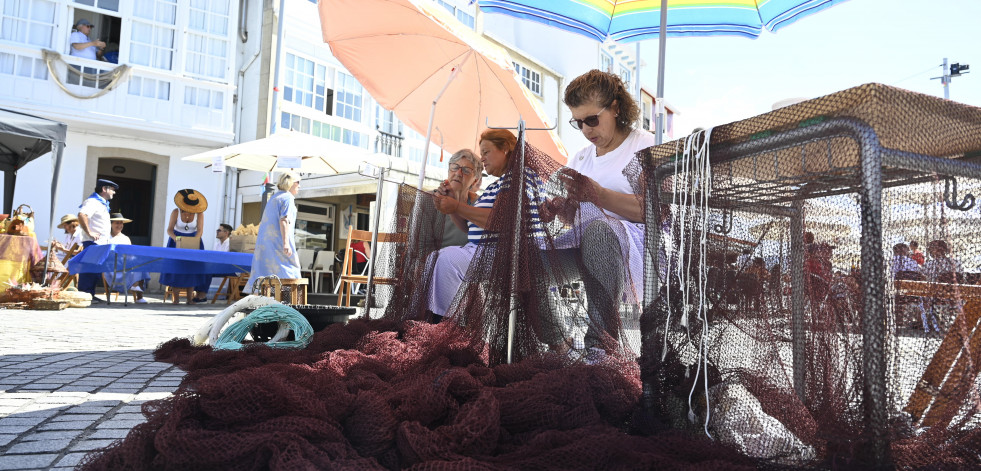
{"type": "Point", "coordinates": [43, 304]}
{"type": "Point", "coordinates": [75, 298]}
{"type": "Point", "coordinates": [17, 294]}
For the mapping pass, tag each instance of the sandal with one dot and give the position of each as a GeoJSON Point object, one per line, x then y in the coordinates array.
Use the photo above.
{"type": "Point", "coordinates": [200, 300]}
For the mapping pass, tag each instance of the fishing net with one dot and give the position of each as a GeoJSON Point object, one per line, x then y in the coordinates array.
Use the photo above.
{"type": "Point", "coordinates": [779, 264]}
{"type": "Point", "coordinates": [766, 315]}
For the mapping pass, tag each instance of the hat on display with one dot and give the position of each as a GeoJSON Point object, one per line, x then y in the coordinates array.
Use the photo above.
{"type": "Point", "coordinates": [67, 219]}
{"type": "Point", "coordinates": [83, 22]}
{"type": "Point", "coordinates": [190, 201]}
{"type": "Point", "coordinates": [103, 182]}
{"type": "Point", "coordinates": [119, 217]}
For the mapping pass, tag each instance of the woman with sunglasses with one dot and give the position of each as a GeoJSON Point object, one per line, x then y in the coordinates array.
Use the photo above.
{"type": "Point", "coordinates": [610, 230]}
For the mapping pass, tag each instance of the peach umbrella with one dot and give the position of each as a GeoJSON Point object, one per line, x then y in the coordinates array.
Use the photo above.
{"type": "Point", "coordinates": [417, 60]}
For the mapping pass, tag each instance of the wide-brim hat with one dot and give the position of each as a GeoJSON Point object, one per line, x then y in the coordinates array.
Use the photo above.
{"type": "Point", "coordinates": [119, 217]}
{"type": "Point", "coordinates": [190, 201]}
{"type": "Point", "coordinates": [67, 219]}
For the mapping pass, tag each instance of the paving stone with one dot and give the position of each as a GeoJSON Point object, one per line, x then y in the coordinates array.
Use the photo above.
{"type": "Point", "coordinates": [70, 460]}
{"type": "Point", "coordinates": [113, 423]}
{"type": "Point", "coordinates": [21, 421]}
{"type": "Point", "coordinates": [53, 435]}
{"type": "Point", "coordinates": [14, 429]}
{"type": "Point", "coordinates": [7, 438]}
{"type": "Point", "coordinates": [89, 445]}
{"type": "Point", "coordinates": [39, 446]}
{"type": "Point", "coordinates": [113, 433]}
{"type": "Point", "coordinates": [67, 425]}
{"type": "Point", "coordinates": [11, 462]}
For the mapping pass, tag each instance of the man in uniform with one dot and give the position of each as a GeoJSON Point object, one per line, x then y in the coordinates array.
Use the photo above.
{"type": "Point", "coordinates": [93, 218]}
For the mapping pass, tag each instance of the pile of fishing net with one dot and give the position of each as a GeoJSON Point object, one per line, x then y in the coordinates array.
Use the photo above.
{"type": "Point", "coordinates": [377, 395]}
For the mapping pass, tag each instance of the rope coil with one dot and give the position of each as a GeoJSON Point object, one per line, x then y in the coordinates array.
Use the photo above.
{"type": "Point", "coordinates": [231, 338]}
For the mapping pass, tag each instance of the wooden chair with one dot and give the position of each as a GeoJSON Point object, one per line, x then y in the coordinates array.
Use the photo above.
{"type": "Point", "coordinates": [109, 289]}
{"type": "Point", "coordinates": [66, 278]}
{"type": "Point", "coordinates": [232, 286]}
{"type": "Point", "coordinates": [175, 293]}
{"type": "Point", "coordinates": [348, 278]}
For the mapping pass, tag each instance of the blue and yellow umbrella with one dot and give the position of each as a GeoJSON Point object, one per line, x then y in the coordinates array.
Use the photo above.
{"type": "Point", "coordinates": [634, 20]}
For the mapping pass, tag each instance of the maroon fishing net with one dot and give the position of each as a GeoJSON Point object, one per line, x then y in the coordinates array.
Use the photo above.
{"type": "Point", "coordinates": [777, 319]}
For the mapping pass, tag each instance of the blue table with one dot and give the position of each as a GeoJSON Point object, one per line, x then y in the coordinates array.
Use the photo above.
{"type": "Point", "coordinates": [123, 259]}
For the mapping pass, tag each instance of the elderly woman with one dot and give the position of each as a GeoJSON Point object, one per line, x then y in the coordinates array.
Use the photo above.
{"type": "Point", "coordinates": [187, 220]}
{"type": "Point", "coordinates": [463, 181]}
{"type": "Point", "coordinates": [275, 248]}
{"type": "Point", "coordinates": [452, 262]}
{"type": "Point", "coordinates": [611, 234]}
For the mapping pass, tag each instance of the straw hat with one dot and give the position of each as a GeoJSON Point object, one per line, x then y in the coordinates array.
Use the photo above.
{"type": "Point", "coordinates": [67, 219]}
{"type": "Point", "coordinates": [190, 201]}
{"type": "Point", "coordinates": [119, 217]}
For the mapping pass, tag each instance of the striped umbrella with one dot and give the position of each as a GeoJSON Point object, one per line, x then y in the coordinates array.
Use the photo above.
{"type": "Point", "coordinates": [635, 20]}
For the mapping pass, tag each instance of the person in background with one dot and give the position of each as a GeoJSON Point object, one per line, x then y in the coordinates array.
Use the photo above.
{"type": "Point", "coordinates": [221, 240]}
{"type": "Point", "coordinates": [73, 235]}
{"type": "Point", "coordinates": [463, 181]}
{"type": "Point", "coordinates": [903, 263]}
{"type": "Point", "coordinates": [132, 281]}
{"type": "Point", "coordinates": [916, 254]}
{"type": "Point", "coordinates": [82, 46]}
{"type": "Point", "coordinates": [941, 267]}
{"type": "Point", "coordinates": [93, 218]}
{"type": "Point", "coordinates": [187, 220]}
{"type": "Point", "coordinates": [275, 248]}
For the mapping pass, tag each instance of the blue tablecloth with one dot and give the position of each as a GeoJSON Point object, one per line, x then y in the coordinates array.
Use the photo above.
{"type": "Point", "coordinates": [111, 258]}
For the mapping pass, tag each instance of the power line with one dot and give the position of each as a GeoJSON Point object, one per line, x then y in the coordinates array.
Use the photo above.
{"type": "Point", "coordinates": [914, 75]}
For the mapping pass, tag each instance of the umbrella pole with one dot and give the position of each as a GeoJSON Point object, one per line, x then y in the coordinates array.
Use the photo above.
{"type": "Point", "coordinates": [432, 115]}
{"type": "Point", "coordinates": [662, 39]}
{"type": "Point", "coordinates": [374, 243]}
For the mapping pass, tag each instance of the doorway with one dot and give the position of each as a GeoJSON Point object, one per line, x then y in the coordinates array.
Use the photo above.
{"type": "Point", "coordinates": [137, 183]}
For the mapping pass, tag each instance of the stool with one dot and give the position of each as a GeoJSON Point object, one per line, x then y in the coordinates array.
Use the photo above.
{"type": "Point", "coordinates": [175, 293]}
{"type": "Point", "coordinates": [234, 290]}
{"type": "Point", "coordinates": [294, 288]}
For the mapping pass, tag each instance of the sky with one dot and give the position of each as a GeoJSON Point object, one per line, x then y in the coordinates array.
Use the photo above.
{"type": "Point", "coordinates": [720, 79]}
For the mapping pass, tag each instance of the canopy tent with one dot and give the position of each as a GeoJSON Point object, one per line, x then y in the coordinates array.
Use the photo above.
{"type": "Point", "coordinates": [24, 138]}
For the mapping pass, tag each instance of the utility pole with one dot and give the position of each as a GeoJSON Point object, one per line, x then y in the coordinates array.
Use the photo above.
{"type": "Point", "coordinates": [955, 70]}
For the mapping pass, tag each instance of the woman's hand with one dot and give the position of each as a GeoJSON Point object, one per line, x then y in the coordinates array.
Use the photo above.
{"type": "Point", "coordinates": [446, 204]}
{"type": "Point", "coordinates": [287, 250]}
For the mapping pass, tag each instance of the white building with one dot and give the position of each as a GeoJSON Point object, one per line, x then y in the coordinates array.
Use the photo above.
{"type": "Point", "coordinates": [174, 97]}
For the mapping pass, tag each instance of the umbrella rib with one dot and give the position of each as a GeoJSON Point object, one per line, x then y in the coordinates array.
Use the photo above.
{"type": "Point", "coordinates": [328, 164]}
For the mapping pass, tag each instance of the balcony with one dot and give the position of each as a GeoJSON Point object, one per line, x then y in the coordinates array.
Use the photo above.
{"type": "Point", "coordinates": [387, 143]}
{"type": "Point", "coordinates": [143, 100]}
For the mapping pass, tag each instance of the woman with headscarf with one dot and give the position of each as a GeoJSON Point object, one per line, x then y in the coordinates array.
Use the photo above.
{"type": "Point", "coordinates": [275, 247]}
{"type": "Point", "coordinates": [610, 230]}
{"type": "Point", "coordinates": [187, 220]}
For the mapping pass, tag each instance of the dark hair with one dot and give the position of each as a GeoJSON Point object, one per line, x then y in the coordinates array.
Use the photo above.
{"type": "Point", "coordinates": [913, 244]}
{"type": "Point", "coordinates": [604, 88]}
{"type": "Point", "coordinates": [900, 248]}
{"type": "Point", "coordinates": [226, 227]}
{"type": "Point", "coordinates": [501, 138]}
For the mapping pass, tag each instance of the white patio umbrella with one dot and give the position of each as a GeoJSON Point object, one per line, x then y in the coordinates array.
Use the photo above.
{"type": "Point", "coordinates": [317, 155]}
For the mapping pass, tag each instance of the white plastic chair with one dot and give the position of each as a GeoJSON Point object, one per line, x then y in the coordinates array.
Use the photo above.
{"type": "Point", "coordinates": [323, 264]}
{"type": "Point", "coordinates": [306, 262]}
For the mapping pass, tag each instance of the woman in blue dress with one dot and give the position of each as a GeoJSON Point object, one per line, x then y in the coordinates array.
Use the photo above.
{"type": "Point", "coordinates": [187, 220]}
{"type": "Point", "coordinates": [275, 247]}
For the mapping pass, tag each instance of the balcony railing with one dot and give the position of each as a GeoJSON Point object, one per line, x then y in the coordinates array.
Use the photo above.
{"type": "Point", "coordinates": [387, 143]}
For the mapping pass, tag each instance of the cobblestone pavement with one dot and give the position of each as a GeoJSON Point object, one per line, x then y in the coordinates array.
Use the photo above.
{"type": "Point", "coordinates": [73, 381]}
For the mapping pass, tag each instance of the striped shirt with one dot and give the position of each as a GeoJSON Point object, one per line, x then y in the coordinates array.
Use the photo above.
{"type": "Point", "coordinates": [533, 190]}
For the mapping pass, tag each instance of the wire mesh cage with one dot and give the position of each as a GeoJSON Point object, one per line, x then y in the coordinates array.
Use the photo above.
{"type": "Point", "coordinates": [848, 330]}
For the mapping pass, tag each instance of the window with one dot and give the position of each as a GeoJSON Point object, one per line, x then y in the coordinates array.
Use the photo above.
{"type": "Point", "coordinates": [386, 121]}
{"type": "Point", "coordinates": [461, 14]}
{"type": "Point", "coordinates": [206, 39]}
{"type": "Point", "coordinates": [531, 79]}
{"type": "Point", "coordinates": [324, 130]}
{"type": "Point", "coordinates": [22, 66]}
{"type": "Point", "coordinates": [625, 76]}
{"type": "Point", "coordinates": [104, 4]}
{"type": "Point", "coordinates": [350, 96]}
{"type": "Point", "coordinates": [307, 83]}
{"type": "Point", "coordinates": [28, 22]}
{"type": "Point", "coordinates": [152, 33]}
{"type": "Point", "coordinates": [606, 62]}
{"type": "Point", "coordinates": [204, 98]}
{"type": "Point", "coordinates": [149, 88]}
{"type": "Point", "coordinates": [74, 78]}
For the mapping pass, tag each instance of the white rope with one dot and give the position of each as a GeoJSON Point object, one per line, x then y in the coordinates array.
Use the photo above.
{"type": "Point", "coordinates": [208, 333]}
{"type": "Point", "coordinates": [114, 76]}
{"type": "Point", "coordinates": [691, 196]}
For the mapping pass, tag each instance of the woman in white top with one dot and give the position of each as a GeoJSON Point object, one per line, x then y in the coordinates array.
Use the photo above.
{"type": "Point", "coordinates": [611, 230]}
{"type": "Point", "coordinates": [186, 221]}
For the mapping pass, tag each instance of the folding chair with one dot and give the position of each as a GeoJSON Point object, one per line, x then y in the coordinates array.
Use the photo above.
{"type": "Point", "coordinates": [348, 278]}
{"type": "Point", "coordinates": [67, 278]}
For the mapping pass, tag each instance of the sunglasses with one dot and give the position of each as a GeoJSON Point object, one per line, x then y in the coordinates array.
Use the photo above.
{"type": "Point", "coordinates": [459, 168]}
{"type": "Point", "coordinates": [591, 121]}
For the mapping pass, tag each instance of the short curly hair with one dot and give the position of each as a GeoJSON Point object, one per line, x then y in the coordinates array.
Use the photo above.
{"type": "Point", "coordinates": [467, 154]}
{"type": "Point", "coordinates": [604, 88]}
{"type": "Point", "coordinates": [501, 138]}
